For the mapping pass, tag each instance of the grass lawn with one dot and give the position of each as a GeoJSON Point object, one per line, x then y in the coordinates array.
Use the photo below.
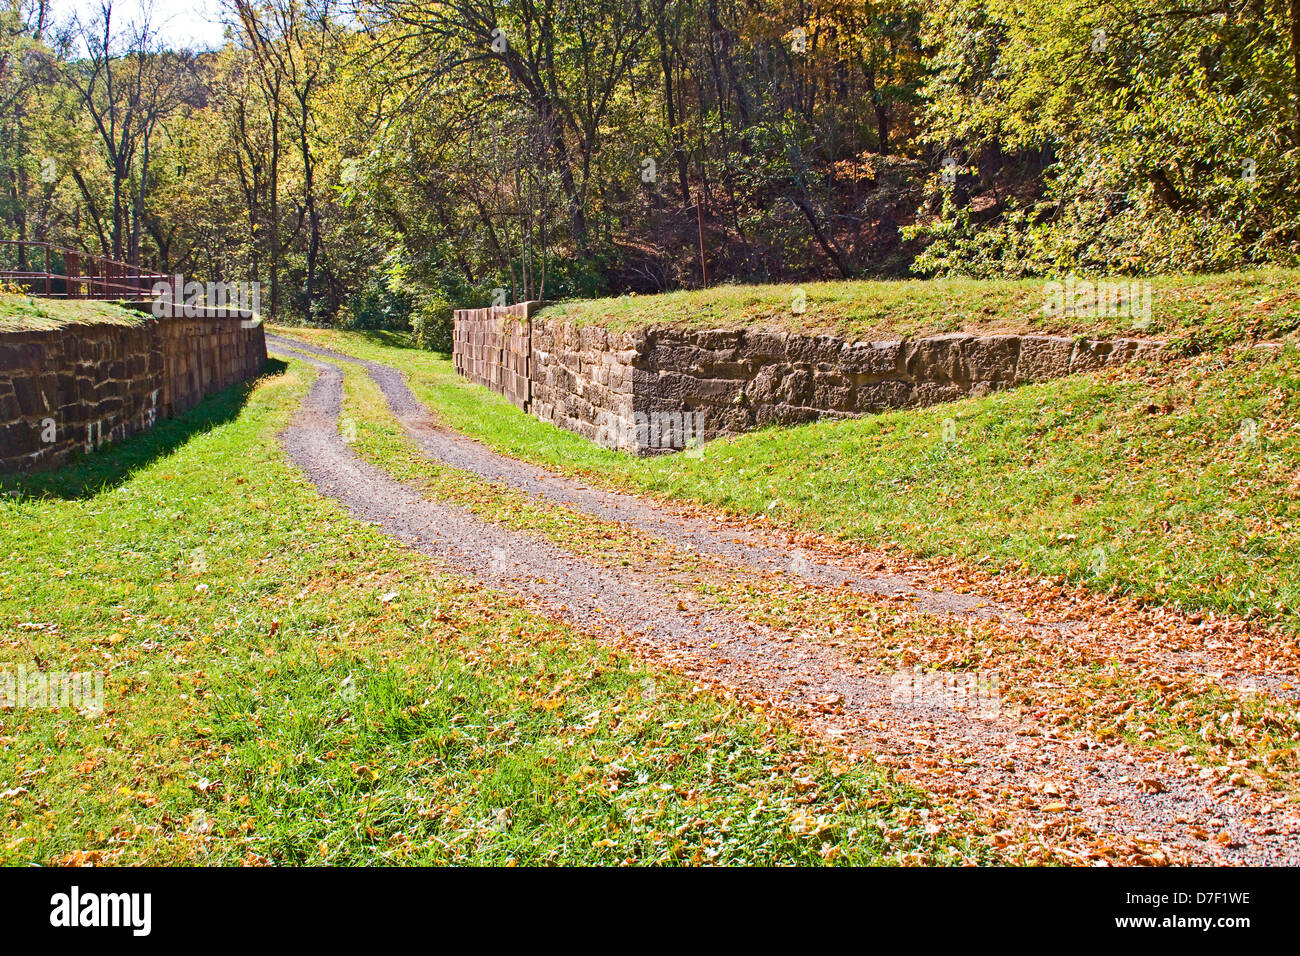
{"type": "Point", "coordinates": [22, 312]}
{"type": "Point", "coordinates": [1200, 310]}
{"type": "Point", "coordinates": [1101, 699]}
{"type": "Point", "coordinates": [1178, 484]}
{"type": "Point", "coordinates": [285, 685]}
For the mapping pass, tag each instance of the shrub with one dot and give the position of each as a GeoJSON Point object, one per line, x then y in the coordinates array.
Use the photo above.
{"type": "Point", "coordinates": [431, 325]}
{"type": "Point", "coordinates": [378, 306]}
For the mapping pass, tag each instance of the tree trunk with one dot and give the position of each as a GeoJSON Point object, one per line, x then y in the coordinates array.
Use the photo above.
{"type": "Point", "coordinates": [563, 162]}
{"type": "Point", "coordinates": [825, 241]}
{"type": "Point", "coordinates": [1295, 62]}
{"type": "Point", "coordinates": [275, 206]}
{"type": "Point", "coordinates": [670, 106]}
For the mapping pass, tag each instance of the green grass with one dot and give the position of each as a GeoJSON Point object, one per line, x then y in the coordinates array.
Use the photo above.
{"type": "Point", "coordinates": [286, 685]}
{"type": "Point", "coordinates": [1072, 684]}
{"type": "Point", "coordinates": [22, 312]}
{"type": "Point", "coordinates": [1199, 310]}
{"type": "Point", "coordinates": [1146, 482]}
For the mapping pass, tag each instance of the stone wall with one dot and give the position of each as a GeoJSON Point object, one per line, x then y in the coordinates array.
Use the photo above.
{"type": "Point", "coordinates": [491, 347]}
{"type": "Point", "coordinates": [743, 379]}
{"type": "Point", "coordinates": [584, 380]}
{"type": "Point", "coordinates": [661, 389]}
{"type": "Point", "coordinates": [80, 386]}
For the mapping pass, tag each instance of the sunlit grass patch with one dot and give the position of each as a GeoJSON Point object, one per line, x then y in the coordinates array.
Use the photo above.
{"type": "Point", "coordinates": [1201, 309]}
{"type": "Point", "coordinates": [283, 684]}
{"type": "Point", "coordinates": [24, 312]}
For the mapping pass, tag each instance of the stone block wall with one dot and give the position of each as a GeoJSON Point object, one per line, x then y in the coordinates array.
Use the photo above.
{"type": "Point", "coordinates": [583, 380]}
{"type": "Point", "coordinates": [657, 389]}
{"type": "Point", "coordinates": [81, 386]}
{"type": "Point", "coordinates": [743, 379]}
{"type": "Point", "coordinates": [491, 347]}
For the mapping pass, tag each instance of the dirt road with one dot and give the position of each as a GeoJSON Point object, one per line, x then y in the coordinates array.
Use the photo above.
{"type": "Point", "coordinates": [1039, 786]}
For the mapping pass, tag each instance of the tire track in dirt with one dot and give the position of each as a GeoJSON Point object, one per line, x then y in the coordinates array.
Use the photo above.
{"type": "Point", "coordinates": [715, 538]}
{"type": "Point", "coordinates": [999, 765]}
{"type": "Point", "coordinates": [918, 587]}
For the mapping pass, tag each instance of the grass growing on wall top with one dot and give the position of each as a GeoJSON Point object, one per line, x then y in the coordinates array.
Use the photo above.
{"type": "Point", "coordinates": [20, 312]}
{"type": "Point", "coordinates": [1263, 303]}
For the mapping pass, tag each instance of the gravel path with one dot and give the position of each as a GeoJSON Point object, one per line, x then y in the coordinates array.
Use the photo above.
{"type": "Point", "coordinates": [710, 537]}
{"type": "Point", "coordinates": [1078, 798]}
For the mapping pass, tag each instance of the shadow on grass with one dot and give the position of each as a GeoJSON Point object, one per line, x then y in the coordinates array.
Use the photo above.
{"type": "Point", "coordinates": [89, 474]}
{"type": "Point", "coordinates": [394, 340]}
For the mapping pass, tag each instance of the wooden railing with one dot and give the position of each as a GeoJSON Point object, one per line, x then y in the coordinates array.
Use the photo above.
{"type": "Point", "coordinates": [83, 276]}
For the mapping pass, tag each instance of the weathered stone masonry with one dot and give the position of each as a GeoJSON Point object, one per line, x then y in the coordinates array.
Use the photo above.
{"type": "Point", "coordinates": [606, 385]}
{"type": "Point", "coordinates": [491, 347]}
{"type": "Point", "coordinates": [84, 385]}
